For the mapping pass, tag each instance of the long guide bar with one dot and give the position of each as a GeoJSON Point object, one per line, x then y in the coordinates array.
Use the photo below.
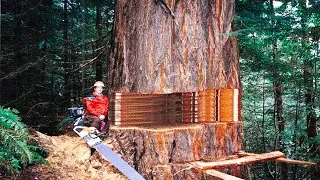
{"type": "Point", "coordinates": [211, 105]}
{"type": "Point", "coordinates": [88, 135]}
{"type": "Point", "coordinates": [118, 162]}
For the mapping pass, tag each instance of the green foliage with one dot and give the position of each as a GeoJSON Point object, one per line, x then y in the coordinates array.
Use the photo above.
{"type": "Point", "coordinates": [279, 44]}
{"type": "Point", "coordinates": [15, 152]}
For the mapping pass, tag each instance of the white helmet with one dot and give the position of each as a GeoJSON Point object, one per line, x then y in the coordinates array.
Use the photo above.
{"type": "Point", "coordinates": [98, 83]}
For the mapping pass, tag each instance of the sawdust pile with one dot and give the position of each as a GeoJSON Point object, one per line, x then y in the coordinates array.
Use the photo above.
{"type": "Point", "coordinates": [70, 158]}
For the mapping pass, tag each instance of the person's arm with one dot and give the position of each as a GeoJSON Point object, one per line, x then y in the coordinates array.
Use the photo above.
{"type": "Point", "coordinates": [105, 110]}
{"type": "Point", "coordinates": [107, 106]}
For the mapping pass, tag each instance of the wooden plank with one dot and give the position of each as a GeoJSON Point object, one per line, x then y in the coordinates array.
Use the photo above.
{"type": "Point", "coordinates": [221, 175]}
{"type": "Point", "coordinates": [292, 161]}
{"type": "Point", "coordinates": [283, 160]}
{"type": "Point", "coordinates": [239, 161]}
{"type": "Point", "coordinates": [243, 153]}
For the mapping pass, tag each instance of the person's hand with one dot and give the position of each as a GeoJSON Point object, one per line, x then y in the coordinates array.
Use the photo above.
{"type": "Point", "coordinates": [102, 117]}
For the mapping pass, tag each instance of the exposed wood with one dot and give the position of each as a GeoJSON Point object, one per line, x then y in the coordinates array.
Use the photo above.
{"type": "Point", "coordinates": [284, 160]}
{"type": "Point", "coordinates": [243, 153]}
{"type": "Point", "coordinates": [292, 161]}
{"type": "Point", "coordinates": [228, 105]}
{"type": "Point", "coordinates": [239, 161]}
{"type": "Point", "coordinates": [221, 175]}
{"type": "Point", "coordinates": [210, 105]}
{"type": "Point", "coordinates": [147, 147]}
{"type": "Point", "coordinates": [231, 157]}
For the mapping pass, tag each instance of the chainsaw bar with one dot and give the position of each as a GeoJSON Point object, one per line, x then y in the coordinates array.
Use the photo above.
{"type": "Point", "coordinates": [89, 136]}
{"type": "Point", "coordinates": [118, 162]}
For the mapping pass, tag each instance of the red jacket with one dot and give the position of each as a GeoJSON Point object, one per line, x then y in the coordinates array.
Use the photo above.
{"type": "Point", "coordinates": [96, 105]}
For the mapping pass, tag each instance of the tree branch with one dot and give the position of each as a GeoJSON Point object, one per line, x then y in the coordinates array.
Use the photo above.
{"type": "Point", "coordinates": [17, 72]}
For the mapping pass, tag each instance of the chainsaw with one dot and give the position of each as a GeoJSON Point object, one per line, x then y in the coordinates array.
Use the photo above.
{"type": "Point", "coordinates": [90, 136]}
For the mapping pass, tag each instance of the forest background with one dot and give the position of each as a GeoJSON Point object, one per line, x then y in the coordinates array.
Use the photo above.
{"type": "Point", "coordinates": [53, 50]}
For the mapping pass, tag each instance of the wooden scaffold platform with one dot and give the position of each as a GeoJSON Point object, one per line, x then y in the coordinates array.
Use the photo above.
{"type": "Point", "coordinates": [244, 158]}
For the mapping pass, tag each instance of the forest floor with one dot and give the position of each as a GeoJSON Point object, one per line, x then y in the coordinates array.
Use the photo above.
{"type": "Point", "coordinates": [70, 158]}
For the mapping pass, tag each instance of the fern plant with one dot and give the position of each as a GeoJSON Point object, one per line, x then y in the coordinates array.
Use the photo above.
{"type": "Point", "coordinates": [15, 152]}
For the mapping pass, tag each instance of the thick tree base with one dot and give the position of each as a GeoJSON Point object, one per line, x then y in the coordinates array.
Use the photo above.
{"type": "Point", "coordinates": [164, 152]}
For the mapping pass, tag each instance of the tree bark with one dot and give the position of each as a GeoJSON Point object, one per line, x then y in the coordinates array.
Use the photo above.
{"type": "Point", "coordinates": [98, 62]}
{"type": "Point", "coordinates": [66, 90]}
{"type": "Point", "coordinates": [308, 77]}
{"type": "Point", "coordinates": [278, 91]}
{"type": "Point", "coordinates": [181, 46]}
{"type": "Point", "coordinates": [163, 47]}
{"type": "Point", "coordinates": [18, 59]}
{"type": "Point", "coordinates": [163, 152]}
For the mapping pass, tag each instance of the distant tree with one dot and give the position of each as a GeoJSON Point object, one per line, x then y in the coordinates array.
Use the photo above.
{"type": "Point", "coordinates": [277, 59]}
{"type": "Point", "coordinates": [22, 74]}
{"type": "Point", "coordinates": [48, 55]}
{"type": "Point", "coordinates": [308, 71]}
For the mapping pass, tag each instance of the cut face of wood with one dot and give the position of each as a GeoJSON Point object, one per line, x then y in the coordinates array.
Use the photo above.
{"type": "Point", "coordinates": [211, 105]}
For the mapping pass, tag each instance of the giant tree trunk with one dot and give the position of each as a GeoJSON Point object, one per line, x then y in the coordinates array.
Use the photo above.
{"type": "Point", "coordinates": [180, 47]}
{"type": "Point", "coordinates": [191, 49]}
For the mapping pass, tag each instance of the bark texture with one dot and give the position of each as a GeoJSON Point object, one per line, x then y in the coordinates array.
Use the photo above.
{"type": "Point", "coordinates": [177, 46]}
{"type": "Point", "coordinates": [174, 46]}
{"type": "Point", "coordinates": [163, 152]}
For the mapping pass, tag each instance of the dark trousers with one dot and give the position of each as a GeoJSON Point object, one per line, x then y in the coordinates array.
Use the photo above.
{"type": "Point", "coordinates": [93, 120]}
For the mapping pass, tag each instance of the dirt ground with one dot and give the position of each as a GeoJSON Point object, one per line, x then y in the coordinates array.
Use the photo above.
{"type": "Point", "coordinates": [70, 158]}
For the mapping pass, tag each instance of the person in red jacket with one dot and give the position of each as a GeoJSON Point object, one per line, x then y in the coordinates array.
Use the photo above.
{"type": "Point", "coordinates": [96, 107]}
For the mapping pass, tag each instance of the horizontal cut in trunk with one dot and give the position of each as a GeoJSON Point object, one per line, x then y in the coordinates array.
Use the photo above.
{"type": "Point", "coordinates": [211, 105]}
